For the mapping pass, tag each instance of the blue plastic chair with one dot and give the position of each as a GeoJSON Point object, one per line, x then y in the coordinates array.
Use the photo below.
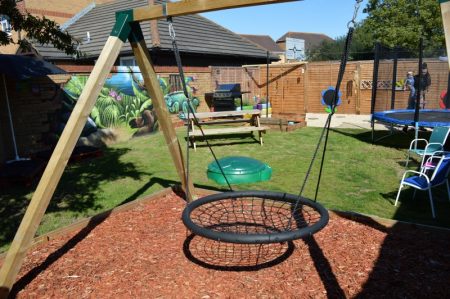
{"type": "Point", "coordinates": [436, 143]}
{"type": "Point", "coordinates": [425, 182]}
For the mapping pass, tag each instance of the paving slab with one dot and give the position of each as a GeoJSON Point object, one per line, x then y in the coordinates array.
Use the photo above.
{"type": "Point", "coordinates": [342, 121]}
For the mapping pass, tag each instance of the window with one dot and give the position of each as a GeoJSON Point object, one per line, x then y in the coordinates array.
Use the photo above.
{"type": "Point", "coordinates": [5, 24]}
{"type": "Point", "coordinates": [175, 83]}
{"type": "Point", "coordinates": [128, 61]}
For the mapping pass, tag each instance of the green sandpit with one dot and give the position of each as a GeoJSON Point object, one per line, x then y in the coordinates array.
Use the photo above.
{"type": "Point", "coordinates": [239, 170]}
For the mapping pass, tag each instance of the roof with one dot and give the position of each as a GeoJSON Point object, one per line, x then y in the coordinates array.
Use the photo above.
{"type": "Point", "coordinates": [194, 33]}
{"type": "Point", "coordinates": [263, 41]}
{"type": "Point", "coordinates": [311, 39]}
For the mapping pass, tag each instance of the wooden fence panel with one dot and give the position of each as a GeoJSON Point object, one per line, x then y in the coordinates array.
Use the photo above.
{"type": "Point", "coordinates": [321, 76]}
{"type": "Point", "coordinates": [286, 88]}
{"type": "Point", "coordinates": [297, 88]}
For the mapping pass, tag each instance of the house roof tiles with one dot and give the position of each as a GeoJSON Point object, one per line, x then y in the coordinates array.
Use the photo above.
{"type": "Point", "coordinates": [194, 33]}
{"type": "Point", "coordinates": [264, 41]}
{"type": "Point", "coordinates": [311, 39]}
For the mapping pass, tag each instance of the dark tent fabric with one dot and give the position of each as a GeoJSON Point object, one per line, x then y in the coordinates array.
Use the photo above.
{"type": "Point", "coordinates": [25, 67]}
{"type": "Point", "coordinates": [21, 68]}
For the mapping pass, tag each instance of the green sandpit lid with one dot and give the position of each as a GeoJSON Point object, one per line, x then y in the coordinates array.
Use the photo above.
{"type": "Point", "coordinates": [239, 170]}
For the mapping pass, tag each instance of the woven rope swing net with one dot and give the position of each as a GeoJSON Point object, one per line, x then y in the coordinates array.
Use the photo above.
{"type": "Point", "coordinates": [254, 217]}
{"type": "Point", "coordinates": [259, 217]}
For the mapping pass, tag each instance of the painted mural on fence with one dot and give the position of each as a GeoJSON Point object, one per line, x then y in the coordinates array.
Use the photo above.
{"type": "Point", "coordinates": [123, 100]}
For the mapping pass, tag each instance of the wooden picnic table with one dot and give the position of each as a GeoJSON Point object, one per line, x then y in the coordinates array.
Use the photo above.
{"type": "Point", "coordinates": [250, 118]}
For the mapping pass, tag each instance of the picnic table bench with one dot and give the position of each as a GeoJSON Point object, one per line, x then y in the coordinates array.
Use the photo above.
{"type": "Point", "coordinates": [250, 118]}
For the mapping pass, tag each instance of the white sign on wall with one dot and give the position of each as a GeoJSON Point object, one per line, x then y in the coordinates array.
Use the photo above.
{"type": "Point", "coordinates": [5, 24]}
{"type": "Point", "coordinates": [295, 48]}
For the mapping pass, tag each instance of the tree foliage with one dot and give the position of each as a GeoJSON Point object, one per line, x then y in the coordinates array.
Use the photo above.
{"type": "Point", "coordinates": [40, 30]}
{"type": "Point", "coordinates": [403, 22]}
{"type": "Point", "coordinates": [361, 47]}
{"type": "Point", "coordinates": [394, 23]}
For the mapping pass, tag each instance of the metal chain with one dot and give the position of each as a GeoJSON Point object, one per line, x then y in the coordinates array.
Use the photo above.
{"type": "Point", "coordinates": [345, 54]}
{"type": "Point", "coordinates": [333, 106]}
{"type": "Point", "coordinates": [352, 22]}
{"type": "Point", "coordinates": [326, 127]}
{"type": "Point", "coordinates": [190, 110]}
{"type": "Point", "coordinates": [171, 29]}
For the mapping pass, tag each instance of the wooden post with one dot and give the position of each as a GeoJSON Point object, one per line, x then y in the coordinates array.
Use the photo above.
{"type": "Point", "coordinates": [445, 11]}
{"type": "Point", "coordinates": [357, 80]}
{"type": "Point", "coordinates": [267, 85]}
{"type": "Point", "coordinates": [156, 41]}
{"type": "Point", "coordinates": [282, 78]}
{"type": "Point", "coordinates": [152, 84]}
{"type": "Point", "coordinates": [55, 167]}
{"type": "Point", "coordinates": [306, 89]}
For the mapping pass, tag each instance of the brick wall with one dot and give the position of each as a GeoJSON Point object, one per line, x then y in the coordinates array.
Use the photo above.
{"type": "Point", "coordinates": [57, 10]}
{"type": "Point", "coordinates": [11, 48]}
{"type": "Point", "coordinates": [200, 85]}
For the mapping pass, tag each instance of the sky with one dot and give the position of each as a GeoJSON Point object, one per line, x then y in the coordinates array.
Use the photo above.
{"type": "Point", "coordinates": [316, 16]}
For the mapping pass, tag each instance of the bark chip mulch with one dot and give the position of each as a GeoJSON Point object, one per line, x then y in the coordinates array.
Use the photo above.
{"type": "Point", "coordinates": [147, 252]}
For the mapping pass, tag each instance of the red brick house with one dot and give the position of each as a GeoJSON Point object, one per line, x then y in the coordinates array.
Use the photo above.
{"type": "Point", "coordinates": [55, 10]}
{"type": "Point", "coordinates": [203, 44]}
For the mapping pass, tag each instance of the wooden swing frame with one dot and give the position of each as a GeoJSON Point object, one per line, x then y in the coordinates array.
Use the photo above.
{"type": "Point", "coordinates": [126, 27]}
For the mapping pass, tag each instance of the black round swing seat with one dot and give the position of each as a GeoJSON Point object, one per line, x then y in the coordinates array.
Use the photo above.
{"type": "Point", "coordinates": [254, 217]}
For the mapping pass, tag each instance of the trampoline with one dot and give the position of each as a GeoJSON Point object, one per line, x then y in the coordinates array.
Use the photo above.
{"type": "Point", "coordinates": [427, 117]}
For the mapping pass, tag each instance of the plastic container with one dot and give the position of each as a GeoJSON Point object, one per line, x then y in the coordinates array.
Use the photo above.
{"type": "Point", "coordinates": [262, 106]}
{"type": "Point", "coordinates": [239, 170]}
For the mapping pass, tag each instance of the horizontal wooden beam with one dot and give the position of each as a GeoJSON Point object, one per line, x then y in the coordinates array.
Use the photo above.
{"type": "Point", "coordinates": [187, 7]}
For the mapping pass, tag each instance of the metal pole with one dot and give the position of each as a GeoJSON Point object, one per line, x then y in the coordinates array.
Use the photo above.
{"type": "Point", "coordinates": [418, 91]}
{"type": "Point", "coordinates": [376, 64]}
{"type": "Point", "coordinates": [10, 120]}
{"type": "Point", "coordinates": [394, 78]}
{"type": "Point", "coordinates": [446, 100]}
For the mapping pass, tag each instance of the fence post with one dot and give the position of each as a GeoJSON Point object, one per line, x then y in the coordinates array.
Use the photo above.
{"type": "Point", "coordinates": [357, 79]}
{"type": "Point", "coordinates": [306, 88]}
{"type": "Point", "coordinates": [394, 78]}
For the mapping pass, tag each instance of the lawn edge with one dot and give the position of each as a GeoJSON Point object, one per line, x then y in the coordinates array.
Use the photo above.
{"type": "Point", "coordinates": [386, 222]}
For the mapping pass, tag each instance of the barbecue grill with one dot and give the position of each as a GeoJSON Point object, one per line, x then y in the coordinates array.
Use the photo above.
{"type": "Point", "coordinates": [224, 95]}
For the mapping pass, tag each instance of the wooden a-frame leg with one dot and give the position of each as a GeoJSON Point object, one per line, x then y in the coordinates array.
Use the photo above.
{"type": "Point", "coordinates": [152, 85]}
{"type": "Point", "coordinates": [55, 167]}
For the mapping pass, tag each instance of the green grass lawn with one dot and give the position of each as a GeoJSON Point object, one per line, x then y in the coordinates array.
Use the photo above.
{"type": "Point", "coordinates": [357, 176]}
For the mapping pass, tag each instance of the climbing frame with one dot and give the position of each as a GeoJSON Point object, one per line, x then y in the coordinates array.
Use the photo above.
{"type": "Point", "coordinates": [126, 27]}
